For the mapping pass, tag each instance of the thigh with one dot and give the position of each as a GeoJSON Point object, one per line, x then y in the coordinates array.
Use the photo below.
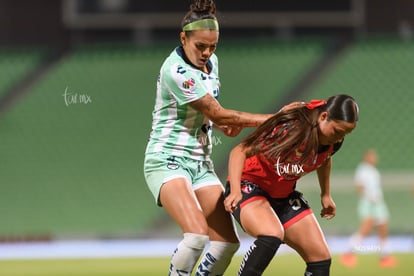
{"type": "Point", "coordinates": [254, 212]}
{"type": "Point", "coordinates": [257, 217]}
{"type": "Point", "coordinates": [306, 237]}
{"type": "Point", "coordinates": [365, 209]}
{"type": "Point", "coordinates": [161, 168]}
{"type": "Point", "coordinates": [381, 213]}
{"type": "Point", "coordinates": [180, 202]}
{"type": "Point", "coordinates": [220, 222]}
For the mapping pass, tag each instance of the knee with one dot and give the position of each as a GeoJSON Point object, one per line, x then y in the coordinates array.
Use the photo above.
{"type": "Point", "coordinates": [276, 232]}
{"type": "Point", "coordinates": [272, 242]}
{"type": "Point", "coordinates": [199, 227]}
{"type": "Point", "coordinates": [195, 241]}
{"type": "Point", "coordinates": [320, 268]}
{"type": "Point", "coordinates": [225, 249]}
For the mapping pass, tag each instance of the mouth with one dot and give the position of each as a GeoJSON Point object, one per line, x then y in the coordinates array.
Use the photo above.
{"type": "Point", "coordinates": [203, 60]}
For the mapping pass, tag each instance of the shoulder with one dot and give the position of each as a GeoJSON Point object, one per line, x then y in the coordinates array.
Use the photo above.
{"type": "Point", "coordinates": [214, 60]}
{"type": "Point", "coordinates": [177, 69]}
{"type": "Point", "coordinates": [174, 63]}
{"type": "Point", "coordinates": [362, 170]}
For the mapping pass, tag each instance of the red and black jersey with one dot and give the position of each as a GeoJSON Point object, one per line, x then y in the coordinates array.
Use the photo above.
{"type": "Point", "coordinates": [278, 178]}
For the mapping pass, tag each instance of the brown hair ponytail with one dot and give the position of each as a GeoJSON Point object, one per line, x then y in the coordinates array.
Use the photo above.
{"type": "Point", "coordinates": [298, 127]}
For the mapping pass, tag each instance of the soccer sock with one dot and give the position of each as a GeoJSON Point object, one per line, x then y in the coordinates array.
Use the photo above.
{"type": "Point", "coordinates": [320, 268]}
{"type": "Point", "coordinates": [187, 253]}
{"type": "Point", "coordinates": [217, 258]}
{"type": "Point", "coordinates": [259, 255]}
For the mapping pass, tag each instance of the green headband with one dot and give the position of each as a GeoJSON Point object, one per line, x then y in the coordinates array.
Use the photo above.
{"type": "Point", "coordinates": [203, 24]}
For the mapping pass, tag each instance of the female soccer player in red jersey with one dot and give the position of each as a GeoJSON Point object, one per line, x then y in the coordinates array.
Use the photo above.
{"type": "Point", "coordinates": [263, 171]}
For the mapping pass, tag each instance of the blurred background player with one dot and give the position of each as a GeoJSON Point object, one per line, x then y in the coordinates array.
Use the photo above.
{"type": "Point", "coordinates": [372, 211]}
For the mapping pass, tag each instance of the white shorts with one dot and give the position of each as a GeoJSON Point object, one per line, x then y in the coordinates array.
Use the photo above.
{"type": "Point", "coordinates": [160, 168]}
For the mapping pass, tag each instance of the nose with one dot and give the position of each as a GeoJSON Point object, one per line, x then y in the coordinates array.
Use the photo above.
{"type": "Point", "coordinates": [206, 52]}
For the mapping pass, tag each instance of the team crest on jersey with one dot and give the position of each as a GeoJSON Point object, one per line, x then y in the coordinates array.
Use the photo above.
{"type": "Point", "coordinates": [188, 84]}
{"type": "Point", "coordinates": [172, 164]}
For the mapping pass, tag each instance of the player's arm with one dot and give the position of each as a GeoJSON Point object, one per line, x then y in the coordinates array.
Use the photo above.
{"type": "Point", "coordinates": [328, 205]}
{"type": "Point", "coordinates": [236, 164]}
{"type": "Point", "coordinates": [211, 108]}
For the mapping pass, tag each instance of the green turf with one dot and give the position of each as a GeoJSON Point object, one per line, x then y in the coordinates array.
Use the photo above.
{"type": "Point", "coordinates": [286, 265]}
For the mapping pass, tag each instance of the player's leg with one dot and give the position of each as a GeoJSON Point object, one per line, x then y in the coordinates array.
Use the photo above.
{"type": "Point", "coordinates": [306, 237]}
{"type": "Point", "coordinates": [179, 200]}
{"type": "Point", "coordinates": [169, 178]}
{"type": "Point", "coordinates": [365, 212]}
{"type": "Point", "coordinates": [381, 214]}
{"type": "Point", "coordinates": [349, 259]}
{"type": "Point", "coordinates": [365, 228]}
{"type": "Point", "coordinates": [224, 241]}
{"type": "Point", "coordinates": [259, 220]}
{"type": "Point", "coordinates": [386, 259]}
{"type": "Point", "coordinates": [382, 229]}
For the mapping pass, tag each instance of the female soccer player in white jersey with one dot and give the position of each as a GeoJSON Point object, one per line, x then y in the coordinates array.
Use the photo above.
{"type": "Point", "coordinates": [372, 211]}
{"type": "Point", "coordinates": [178, 168]}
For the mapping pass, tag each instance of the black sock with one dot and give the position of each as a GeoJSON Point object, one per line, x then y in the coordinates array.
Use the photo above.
{"type": "Point", "coordinates": [259, 255]}
{"type": "Point", "coordinates": [320, 268]}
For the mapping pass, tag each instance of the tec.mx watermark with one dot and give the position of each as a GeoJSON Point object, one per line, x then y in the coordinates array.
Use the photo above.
{"type": "Point", "coordinates": [72, 98]}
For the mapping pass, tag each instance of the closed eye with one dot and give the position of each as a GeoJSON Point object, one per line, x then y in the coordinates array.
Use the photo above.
{"type": "Point", "coordinates": [202, 47]}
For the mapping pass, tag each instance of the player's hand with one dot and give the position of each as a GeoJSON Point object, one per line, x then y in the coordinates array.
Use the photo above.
{"type": "Point", "coordinates": [231, 131]}
{"type": "Point", "coordinates": [328, 207]}
{"type": "Point", "coordinates": [231, 201]}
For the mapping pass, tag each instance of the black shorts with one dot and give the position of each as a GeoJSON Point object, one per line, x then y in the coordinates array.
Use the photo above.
{"type": "Point", "coordinates": [289, 210]}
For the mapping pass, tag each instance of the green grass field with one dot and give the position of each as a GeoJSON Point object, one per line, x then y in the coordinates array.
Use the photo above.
{"type": "Point", "coordinates": [286, 265]}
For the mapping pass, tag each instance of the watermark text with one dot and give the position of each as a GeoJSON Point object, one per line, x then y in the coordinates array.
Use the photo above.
{"type": "Point", "coordinates": [71, 98]}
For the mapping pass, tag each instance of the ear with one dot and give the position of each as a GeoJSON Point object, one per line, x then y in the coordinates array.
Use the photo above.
{"type": "Point", "coordinates": [323, 116]}
{"type": "Point", "coordinates": [182, 38]}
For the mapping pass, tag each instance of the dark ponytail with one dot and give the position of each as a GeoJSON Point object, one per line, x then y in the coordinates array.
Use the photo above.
{"type": "Point", "coordinates": [200, 9]}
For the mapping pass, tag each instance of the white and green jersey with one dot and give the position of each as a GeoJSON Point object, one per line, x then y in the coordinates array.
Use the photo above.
{"type": "Point", "coordinates": [177, 128]}
{"type": "Point", "coordinates": [369, 177]}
